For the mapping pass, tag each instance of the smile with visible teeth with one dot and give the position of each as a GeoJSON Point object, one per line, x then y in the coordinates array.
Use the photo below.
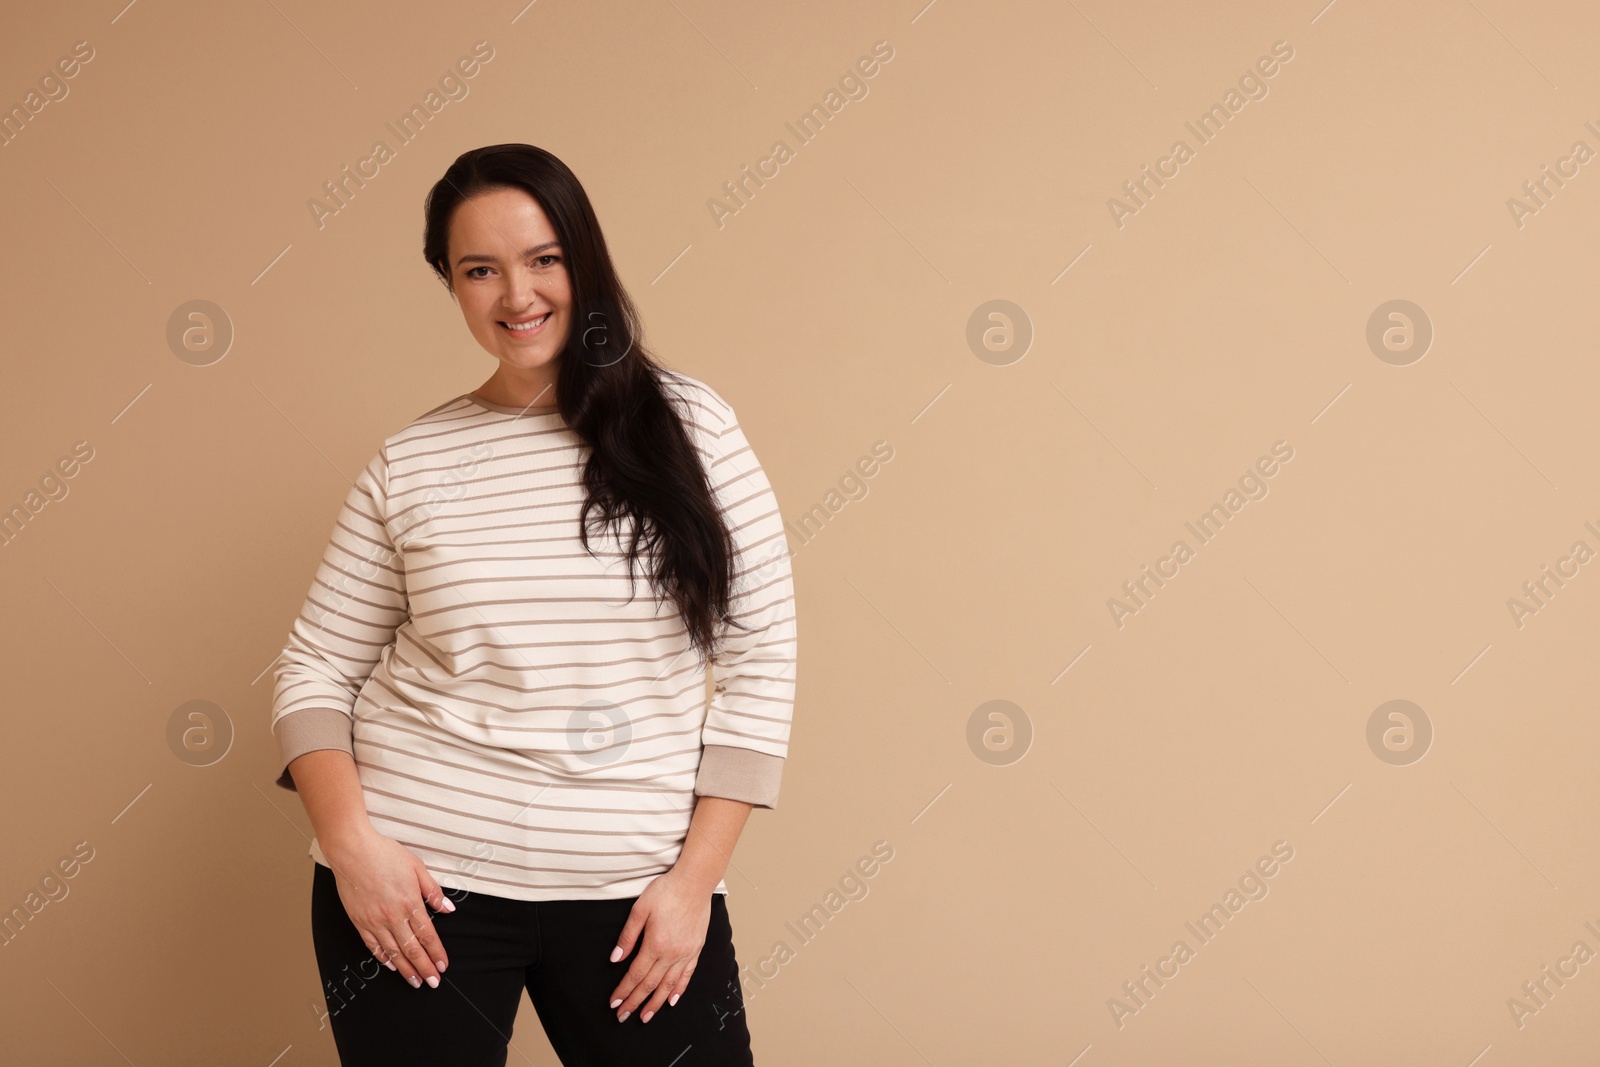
{"type": "Point", "coordinates": [533, 324]}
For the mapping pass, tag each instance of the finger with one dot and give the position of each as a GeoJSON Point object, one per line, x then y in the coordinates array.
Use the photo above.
{"type": "Point", "coordinates": [628, 989]}
{"type": "Point", "coordinates": [375, 948]}
{"type": "Point", "coordinates": [625, 987]}
{"type": "Point", "coordinates": [436, 897]}
{"type": "Point", "coordinates": [630, 933]}
{"type": "Point", "coordinates": [646, 986]}
{"type": "Point", "coordinates": [683, 984]}
{"type": "Point", "coordinates": [422, 923]}
{"type": "Point", "coordinates": [394, 957]}
{"type": "Point", "coordinates": [625, 943]}
{"type": "Point", "coordinates": [412, 948]}
{"type": "Point", "coordinates": [669, 980]}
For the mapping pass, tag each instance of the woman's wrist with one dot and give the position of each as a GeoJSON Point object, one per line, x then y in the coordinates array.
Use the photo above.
{"type": "Point", "coordinates": [695, 876]}
{"type": "Point", "coordinates": [348, 836]}
{"type": "Point", "coordinates": [330, 788]}
{"type": "Point", "coordinates": [708, 847]}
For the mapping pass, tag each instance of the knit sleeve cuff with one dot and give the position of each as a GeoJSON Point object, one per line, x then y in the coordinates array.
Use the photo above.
{"type": "Point", "coordinates": [305, 731]}
{"type": "Point", "coordinates": [739, 774]}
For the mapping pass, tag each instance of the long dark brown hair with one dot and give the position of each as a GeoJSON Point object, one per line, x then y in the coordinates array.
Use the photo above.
{"type": "Point", "coordinates": [642, 464]}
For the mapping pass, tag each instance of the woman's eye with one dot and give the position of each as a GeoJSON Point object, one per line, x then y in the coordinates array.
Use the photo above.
{"type": "Point", "coordinates": [540, 261]}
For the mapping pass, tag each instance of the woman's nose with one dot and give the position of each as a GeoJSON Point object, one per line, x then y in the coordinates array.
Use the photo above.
{"type": "Point", "coordinates": [520, 286]}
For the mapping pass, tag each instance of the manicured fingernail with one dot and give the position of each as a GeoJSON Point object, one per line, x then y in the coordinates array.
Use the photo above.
{"type": "Point", "coordinates": [390, 965]}
{"type": "Point", "coordinates": [624, 1016]}
{"type": "Point", "coordinates": [646, 1016]}
{"type": "Point", "coordinates": [433, 983]}
{"type": "Point", "coordinates": [448, 905]}
{"type": "Point", "coordinates": [616, 954]}
{"type": "Point", "coordinates": [614, 1003]}
{"type": "Point", "coordinates": [672, 1000]}
{"type": "Point", "coordinates": [415, 984]}
{"type": "Point", "coordinates": [439, 964]}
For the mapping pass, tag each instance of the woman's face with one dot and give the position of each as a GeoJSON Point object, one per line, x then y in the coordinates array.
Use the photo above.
{"type": "Point", "coordinates": [506, 268]}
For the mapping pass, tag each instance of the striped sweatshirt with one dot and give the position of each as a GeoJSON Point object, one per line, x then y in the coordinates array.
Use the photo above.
{"type": "Point", "coordinates": [517, 721]}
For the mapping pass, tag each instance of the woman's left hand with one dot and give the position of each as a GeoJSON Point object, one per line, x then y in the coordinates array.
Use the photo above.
{"type": "Point", "coordinates": [674, 915]}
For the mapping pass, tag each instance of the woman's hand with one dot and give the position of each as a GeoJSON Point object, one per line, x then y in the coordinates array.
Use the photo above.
{"type": "Point", "coordinates": [674, 911]}
{"type": "Point", "coordinates": [384, 889]}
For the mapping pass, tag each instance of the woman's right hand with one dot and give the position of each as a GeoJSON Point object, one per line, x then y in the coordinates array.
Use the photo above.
{"type": "Point", "coordinates": [386, 892]}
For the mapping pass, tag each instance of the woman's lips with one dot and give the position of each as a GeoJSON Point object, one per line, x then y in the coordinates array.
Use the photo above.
{"type": "Point", "coordinates": [534, 332]}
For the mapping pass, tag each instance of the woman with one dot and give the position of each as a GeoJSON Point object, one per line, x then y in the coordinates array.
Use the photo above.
{"type": "Point", "coordinates": [506, 753]}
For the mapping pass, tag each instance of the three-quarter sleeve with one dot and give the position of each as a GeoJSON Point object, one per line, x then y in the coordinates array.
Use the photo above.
{"type": "Point", "coordinates": [356, 602]}
{"type": "Point", "coordinates": [746, 734]}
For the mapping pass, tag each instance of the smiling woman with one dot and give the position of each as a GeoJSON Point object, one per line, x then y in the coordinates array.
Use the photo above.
{"type": "Point", "coordinates": [513, 291]}
{"type": "Point", "coordinates": [506, 751]}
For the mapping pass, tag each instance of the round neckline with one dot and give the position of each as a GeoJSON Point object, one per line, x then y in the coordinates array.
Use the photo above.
{"type": "Point", "coordinates": [507, 409]}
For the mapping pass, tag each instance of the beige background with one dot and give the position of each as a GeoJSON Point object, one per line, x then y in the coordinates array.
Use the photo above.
{"type": "Point", "coordinates": [1230, 312]}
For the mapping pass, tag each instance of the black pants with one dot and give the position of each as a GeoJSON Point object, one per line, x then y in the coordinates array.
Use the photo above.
{"type": "Point", "coordinates": [560, 951]}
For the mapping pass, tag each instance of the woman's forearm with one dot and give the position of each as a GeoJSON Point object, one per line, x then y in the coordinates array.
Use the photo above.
{"type": "Point", "coordinates": [713, 831]}
{"type": "Point", "coordinates": [330, 789]}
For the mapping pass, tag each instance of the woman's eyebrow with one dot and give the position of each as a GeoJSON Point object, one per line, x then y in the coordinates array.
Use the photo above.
{"type": "Point", "coordinates": [479, 257]}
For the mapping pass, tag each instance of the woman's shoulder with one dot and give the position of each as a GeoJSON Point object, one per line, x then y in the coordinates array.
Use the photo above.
{"type": "Point", "coordinates": [699, 403]}
{"type": "Point", "coordinates": [442, 424]}
{"type": "Point", "coordinates": [451, 409]}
